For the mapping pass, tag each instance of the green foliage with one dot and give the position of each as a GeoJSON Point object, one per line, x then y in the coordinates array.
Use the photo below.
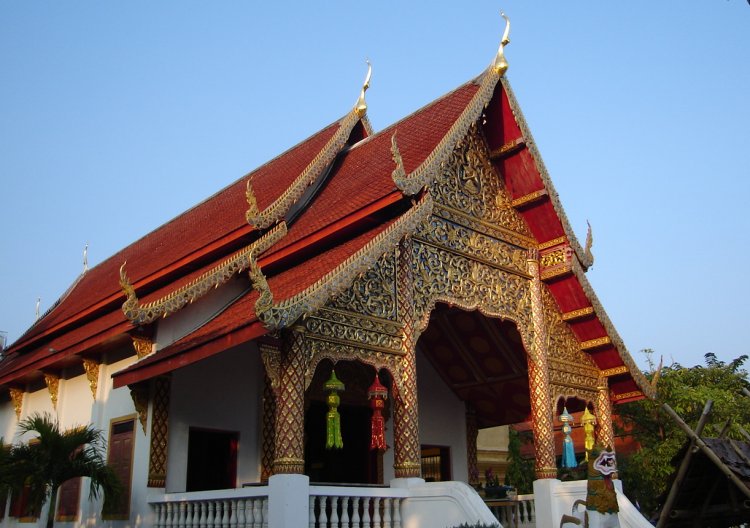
{"type": "Point", "coordinates": [520, 471]}
{"type": "Point", "coordinates": [645, 474]}
{"type": "Point", "coordinates": [55, 456]}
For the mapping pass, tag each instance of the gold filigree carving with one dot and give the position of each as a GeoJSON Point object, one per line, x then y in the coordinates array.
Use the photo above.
{"type": "Point", "coordinates": [373, 293]}
{"type": "Point", "coordinates": [91, 366]}
{"type": "Point", "coordinates": [285, 313]}
{"type": "Point", "coordinates": [276, 211]}
{"type": "Point", "coordinates": [595, 343]}
{"type": "Point", "coordinates": [139, 395]}
{"type": "Point", "coordinates": [461, 218]}
{"type": "Point", "coordinates": [271, 357]}
{"type": "Point", "coordinates": [140, 314]}
{"type": "Point", "coordinates": [337, 326]}
{"type": "Point", "coordinates": [143, 346]}
{"type": "Point", "coordinates": [468, 182]}
{"type": "Point", "coordinates": [578, 314]}
{"type": "Point", "coordinates": [552, 243]}
{"type": "Point", "coordinates": [628, 395]}
{"type": "Point", "coordinates": [473, 245]}
{"type": "Point", "coordinates": [555, 258]}
{"type": "Point", "coordinates": [529, 199]}
{"type": "Point", "coordinates": [442, 276]}
{"type": "Point", "coordinates": [265, 301]}
{"type": "Point", "coordinates": [615, 371]}
{"type": "Point", "coordinates": [16, 396]}
{"type": "Point", "coordinates": [508, 149]}
{"type": "Point", "coordinates": [289, 455]}
{"type": "Point", "coordinates": [53, 385]}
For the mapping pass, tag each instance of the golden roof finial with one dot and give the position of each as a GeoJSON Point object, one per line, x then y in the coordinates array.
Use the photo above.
{"type": "Point", "coordinates": [500, 66]}
{"type": "Point", "coordinates": [361, 107]}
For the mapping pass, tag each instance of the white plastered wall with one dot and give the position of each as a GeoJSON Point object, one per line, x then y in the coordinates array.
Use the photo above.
{"type": "Point", "coordinates": [442, 417]}
{"type": "Point", "coordinates": [222, 392]}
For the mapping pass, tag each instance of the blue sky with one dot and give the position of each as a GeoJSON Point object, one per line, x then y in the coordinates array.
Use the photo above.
{"type": "Point", "coordinates": [117, 116]}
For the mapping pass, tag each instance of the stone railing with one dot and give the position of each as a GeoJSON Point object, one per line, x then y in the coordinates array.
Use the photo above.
{"type": "Point", "coordinates": [355, 507]}
{"type": "Point", "coordinates": [514, 513]}
{"type": "Point", "coordinates": [233, 508]}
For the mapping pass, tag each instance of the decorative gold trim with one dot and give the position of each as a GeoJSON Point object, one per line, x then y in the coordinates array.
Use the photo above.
{"type": "Point", "coordinates": [508, 149]}
{"type": "Point", "coordinates": [626, 395]}
{"type": "Point", "coordinates": [529, 199]}
{"type": "Point", "coordinates": [16, 395]}
{"type": "Point", "coordinates": [140, 314]}
{"type": "Point", "coordinates": [420, 177]}
{"type": "Point", "coordinates": [617, 342]}
{"type": "Point", "coordinates": [157, 457]}
{"type": "Point", "coordinates": [140, 396]}
{"type": "Point", "coordinates": [143, 346]}
{"type": "Point", "coordinates": [284, 313]}
{"type": "Point", "coordinates": [558, 271]}
{"type": "Point", "coordinates": [554, 258]}
{"type": "Point", "coordinates": [578, 314]}
{"type": "Point", "coordinates": [595, 343]}
{"type": "Point", "coordinates": [546, 180]}
{"type": "Point", "coordinates": [91, 366]}
{"type": "Point", "coordinates": [360, 108]}
{"type": "Point", "coordinates": [622, 369]}
{"type": "Point", "coordinates": [487, 228]}
{"type": "Point", "coordinates": [271, 357]}
{"type": "Point", "coordinates": [551, 243]}
{"type": "Point", "coordinates": [265, 301]}
{"type": "Point", "coordinates": [53, 385]}
{"type": "Point", "coordinates": [500, 64]}
{"type": "Point", "coordinates": [278, 208]}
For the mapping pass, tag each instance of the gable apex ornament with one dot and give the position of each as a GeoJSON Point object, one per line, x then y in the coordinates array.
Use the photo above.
{"type": "Point", "coordinates": [501, 63]}
{"type": "Point", "coordinates": [360, 108]}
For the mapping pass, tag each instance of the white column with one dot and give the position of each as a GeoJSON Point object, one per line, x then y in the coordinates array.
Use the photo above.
{"type": "Point", "coordinates": [288, 496]}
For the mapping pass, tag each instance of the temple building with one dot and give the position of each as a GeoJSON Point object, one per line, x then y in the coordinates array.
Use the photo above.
{"type": "Point", "coordinates": [352, 312]}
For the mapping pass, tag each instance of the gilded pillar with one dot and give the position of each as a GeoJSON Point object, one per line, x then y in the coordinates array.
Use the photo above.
{"type": "Point", "coordinates": [157, 458]}
{"type": "Point", "coordinates": [269, 425]}
{"type": "Point", "coordinates": [407, 453]}
{"type": "Point", "coordinates": [289, 454]}
{"type": "Point", "coordinates": [605, 433]}
{"type": "Point", "coordinates": [539, 390]}
{"type": "Point", "coordinates": [472, 431]}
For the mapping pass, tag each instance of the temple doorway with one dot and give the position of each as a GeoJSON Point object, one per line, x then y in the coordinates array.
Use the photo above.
{"type": "Point", "coordinates": [354, 463]}
{"type": "Point", "coordinates": [212, 459]}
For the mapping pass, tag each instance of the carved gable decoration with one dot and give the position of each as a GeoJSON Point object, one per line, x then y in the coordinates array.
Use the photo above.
{"type": "Point", "coordinates": [468, 183]}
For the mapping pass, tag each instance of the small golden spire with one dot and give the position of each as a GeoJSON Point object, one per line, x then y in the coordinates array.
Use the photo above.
{"type": "Point", "coordinates": [500, 66]}
{"type": "Point", "coordinates": [361, 107]}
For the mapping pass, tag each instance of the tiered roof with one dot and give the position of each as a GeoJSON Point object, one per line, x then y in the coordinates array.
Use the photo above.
{"type": "Point", "coordinates": [294, 224]}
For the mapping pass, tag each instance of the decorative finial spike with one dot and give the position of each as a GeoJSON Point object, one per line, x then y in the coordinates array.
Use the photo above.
{"type": "Point", "coordinates": [500, 66]}
{"type": "Point", "coordinates": [361, 107]}
{"type": "Point", "coordinates": [86, 257]}
{"type": "Point", "coordinates": [38, 303]}
{"type": "Point", "coordinates": [589, 244]}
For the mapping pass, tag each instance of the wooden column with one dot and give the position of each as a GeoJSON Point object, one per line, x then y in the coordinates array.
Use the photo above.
{"type": "Point", "coordinates": [472, 431]}
{"type": "Point", "coordinates": [289, 455]}
{"type": "Point", "coordinates": [407, 454]}
{"type": "Point", "coordinates": [539, 391]}
{"type": "Point", "coordinates": [605, 432]}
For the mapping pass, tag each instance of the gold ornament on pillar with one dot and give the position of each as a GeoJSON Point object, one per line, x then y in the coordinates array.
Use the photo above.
{"type": "Point", "coordinates": [17, 396]}
{"type": "Point", "coordinates": [53, 385]}
{"type": "Point", "coordinates": [91, 367]}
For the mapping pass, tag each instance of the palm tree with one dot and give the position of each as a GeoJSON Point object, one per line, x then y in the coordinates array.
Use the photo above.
{"type": "Point", "coordinates": [55, 456]}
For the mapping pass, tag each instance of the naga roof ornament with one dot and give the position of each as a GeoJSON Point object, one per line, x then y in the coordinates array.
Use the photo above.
{"type": "Point", "coordinates": [139, 314]}
{"type": "Point", "coordinates": [281, 205]}
{"type": "Point", "coordinates": [413, 182]}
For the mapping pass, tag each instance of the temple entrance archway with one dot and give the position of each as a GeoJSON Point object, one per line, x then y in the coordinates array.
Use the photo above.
{"type": "Point", "coordinates": [482, 360]}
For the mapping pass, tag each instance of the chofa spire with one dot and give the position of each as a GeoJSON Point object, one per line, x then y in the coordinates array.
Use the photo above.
{"type": "Point", "coordinates": [360, 108]}
{"type": "Point", "coordinates": [501, 63]}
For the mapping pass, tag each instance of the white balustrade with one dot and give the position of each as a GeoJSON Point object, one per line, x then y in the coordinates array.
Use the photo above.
{"type": "Point", "coordinates": [514, 513]}
{"type": "Point", "coordinates": [236, 508]}
{"type": "Point", "coordinates": [352, 507]}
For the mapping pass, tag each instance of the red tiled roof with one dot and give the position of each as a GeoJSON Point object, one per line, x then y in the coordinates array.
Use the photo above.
{"type": "Point", "coordinates": [218, 216]}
